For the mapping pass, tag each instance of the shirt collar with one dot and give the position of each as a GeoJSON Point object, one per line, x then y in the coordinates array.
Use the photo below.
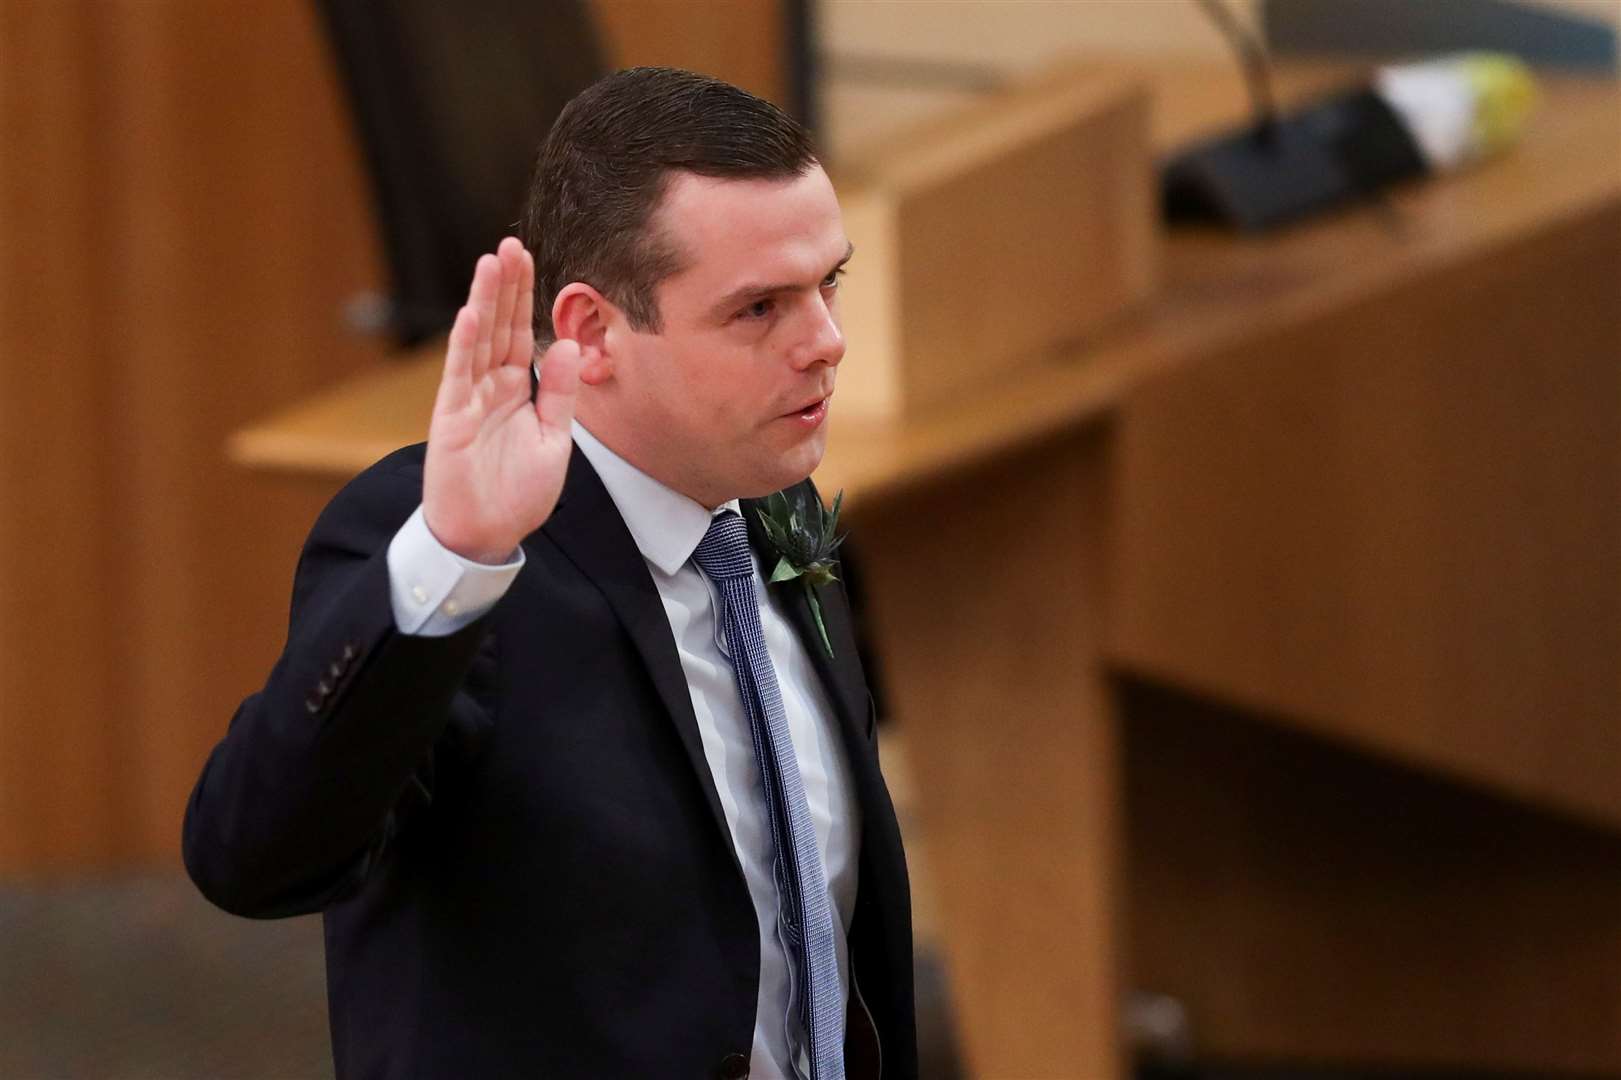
{"type": "Point", "coordinates": [666, 525]}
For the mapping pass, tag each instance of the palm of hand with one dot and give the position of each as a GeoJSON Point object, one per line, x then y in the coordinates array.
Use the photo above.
{"type": "Point", "coordinates": [496, 462]}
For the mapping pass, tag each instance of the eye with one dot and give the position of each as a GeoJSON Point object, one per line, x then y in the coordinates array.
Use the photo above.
{"type": "Point", "coordinates": [832, 280]}
{"type": "Point", "coordinates": [757, 310]}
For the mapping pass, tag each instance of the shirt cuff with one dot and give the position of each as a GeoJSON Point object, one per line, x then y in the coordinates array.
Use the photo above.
{"type": "Point", "coordinates": [436, 592]}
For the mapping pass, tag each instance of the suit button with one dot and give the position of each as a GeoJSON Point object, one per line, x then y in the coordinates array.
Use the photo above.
{"type": "Point", "coordinates": [312, 706]}
{"type": "Point", "coordinates": [733, 1067]}
{"type": "Point", "coordinates": [335, 670]}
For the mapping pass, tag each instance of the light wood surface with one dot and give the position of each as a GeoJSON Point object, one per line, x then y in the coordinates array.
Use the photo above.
{"type": "Point", "coordinates": [991, 659]}
{"type": "Point", "coordinates": [1408, 520]}
{"type": "Point", "coordinates": [992, 236]}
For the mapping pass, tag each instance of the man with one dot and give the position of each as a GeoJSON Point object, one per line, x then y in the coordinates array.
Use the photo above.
{"type": "Point", "coordinates": [578, 794]}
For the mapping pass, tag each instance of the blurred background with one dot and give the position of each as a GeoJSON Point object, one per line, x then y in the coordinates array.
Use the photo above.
{"type": "Point", "coordinates": [1331, 748]}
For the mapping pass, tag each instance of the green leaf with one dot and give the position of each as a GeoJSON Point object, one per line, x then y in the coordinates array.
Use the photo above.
{"type": "Point", "coordinates": [773, 531]}
{"type": "Point", "coordinates": [816, 610]}
{"type": "Point", "coordinates": [785, 571]}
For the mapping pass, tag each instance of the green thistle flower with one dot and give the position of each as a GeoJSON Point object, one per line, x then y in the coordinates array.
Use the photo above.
{"type": "Point", "coordinates": [803, 535]}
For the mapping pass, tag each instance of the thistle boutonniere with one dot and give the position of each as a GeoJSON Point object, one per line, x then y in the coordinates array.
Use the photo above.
{"type": "Point", "coordinates": [803, 535]}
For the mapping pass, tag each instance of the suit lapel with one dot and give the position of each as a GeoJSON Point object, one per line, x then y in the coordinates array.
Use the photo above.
{"type": "Point", "coordinates": [588, 529]}
{"type": "Point", "coordinates": [841, 673]}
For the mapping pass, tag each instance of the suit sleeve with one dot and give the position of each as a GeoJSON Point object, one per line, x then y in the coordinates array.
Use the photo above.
{"type": "Point", "coordinates": [298, 801]}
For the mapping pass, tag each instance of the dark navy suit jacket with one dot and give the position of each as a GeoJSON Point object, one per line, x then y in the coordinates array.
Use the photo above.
{"type": "Point", "coordinates": [512, 831]}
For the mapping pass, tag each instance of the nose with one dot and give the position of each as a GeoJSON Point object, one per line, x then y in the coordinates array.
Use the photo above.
{"type": "Point", "coordinates": [821, 338]}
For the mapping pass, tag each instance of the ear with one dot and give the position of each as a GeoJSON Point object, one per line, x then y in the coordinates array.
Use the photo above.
{"type": "Point", "coordinates": [582, 315]}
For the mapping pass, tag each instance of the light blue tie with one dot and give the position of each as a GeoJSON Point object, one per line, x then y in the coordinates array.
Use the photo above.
{"type": "Point", "coordinates": [805, 914]}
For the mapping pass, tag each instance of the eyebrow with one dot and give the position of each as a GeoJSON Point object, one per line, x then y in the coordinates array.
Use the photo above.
{"type": "Point", "coordinates": [745, 294]}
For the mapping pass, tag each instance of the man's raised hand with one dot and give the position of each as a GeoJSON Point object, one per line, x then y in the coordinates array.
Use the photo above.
{"type": "Point", "coordinates": [495, 462]}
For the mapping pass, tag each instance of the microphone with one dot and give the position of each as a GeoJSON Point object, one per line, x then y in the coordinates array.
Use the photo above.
{"type": "Point", "coordinates": [1411, 120]}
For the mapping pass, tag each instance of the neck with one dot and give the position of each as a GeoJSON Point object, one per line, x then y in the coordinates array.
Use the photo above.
{"type": "Point", "coordinates": [606, 433]}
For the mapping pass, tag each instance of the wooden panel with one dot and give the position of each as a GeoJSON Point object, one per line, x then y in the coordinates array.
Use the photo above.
{"type": "Point", "coordinates": [996, 237]}
{"type": "Point", "coordinates": [1017, 35]}
{"type": "Point", "coordinates": [988, 624]}
{"type": "Point", "coordinates": [185, 218]}
{"type": "Point", "coordinates": [741, 41]}
{"type": "Point", "coordinates": [1308, 905]}
{"type": "Point", "coordinates": [1399, 522]}
{"type": "Point", "coordinates": [59, 785]}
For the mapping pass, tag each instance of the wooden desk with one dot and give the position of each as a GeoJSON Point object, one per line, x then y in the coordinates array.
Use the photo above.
{"type": "Point", "coordinates": [1361, 478]}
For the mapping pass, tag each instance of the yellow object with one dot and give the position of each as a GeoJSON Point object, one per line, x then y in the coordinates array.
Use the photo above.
{"type": "Point", "coordinates": [1505, 95]}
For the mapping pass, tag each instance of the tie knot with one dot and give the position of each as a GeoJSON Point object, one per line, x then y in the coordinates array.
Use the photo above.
{"type": "Point", "coordinates": [724, 550]}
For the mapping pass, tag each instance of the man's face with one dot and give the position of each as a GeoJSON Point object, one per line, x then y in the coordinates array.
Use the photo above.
{"type": "Point", "coordinates": [730, 398]}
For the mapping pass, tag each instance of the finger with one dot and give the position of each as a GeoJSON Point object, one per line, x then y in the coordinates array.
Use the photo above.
{"type": "Point", "coordinates": [481, 298]}
{"type": "Point", "coordinates": [456, 384]}
{"type": "Point", "coordinates": [523, 315]}
{"type": "Point", "coordinates": [509, 255]}
{"type": "Point", "coordinates": [559, 386]}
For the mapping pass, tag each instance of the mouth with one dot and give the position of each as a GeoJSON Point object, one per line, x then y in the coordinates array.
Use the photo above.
{"type": "Point", "coordinates": [811, 412]}
{"type": "Point", "coordinates": [811, 405]}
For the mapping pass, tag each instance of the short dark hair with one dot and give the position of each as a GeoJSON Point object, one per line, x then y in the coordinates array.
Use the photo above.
{"type": "Point", "coordinates": [603, 169]}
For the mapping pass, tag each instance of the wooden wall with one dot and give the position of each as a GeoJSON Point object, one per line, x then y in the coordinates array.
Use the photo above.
{"type": "Point", "coordinates": [1307, 904]}
{"type": "Point", "coordinates": [183, 214]}
{"type": "Point", "coordinates": [1423, 489]}
{"type": "Point", "coordinates": [742, 41]}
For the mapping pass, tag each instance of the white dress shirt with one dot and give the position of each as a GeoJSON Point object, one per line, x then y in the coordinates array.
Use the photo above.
{"type": "Point", "coordinates": [435, 591]}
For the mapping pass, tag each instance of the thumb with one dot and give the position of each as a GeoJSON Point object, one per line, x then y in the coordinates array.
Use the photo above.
{"type": "Point", "coordinates": [559, 385]}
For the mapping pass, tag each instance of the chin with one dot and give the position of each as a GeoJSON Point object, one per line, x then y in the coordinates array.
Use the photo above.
{"type": "Point", "coordinates": [801, 464]}
{"type": "Point", "coordinates": [789, 471]}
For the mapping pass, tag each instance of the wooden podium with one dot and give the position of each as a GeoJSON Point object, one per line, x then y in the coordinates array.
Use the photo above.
{"type": "Point", "coordinates": [1265, 651]}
